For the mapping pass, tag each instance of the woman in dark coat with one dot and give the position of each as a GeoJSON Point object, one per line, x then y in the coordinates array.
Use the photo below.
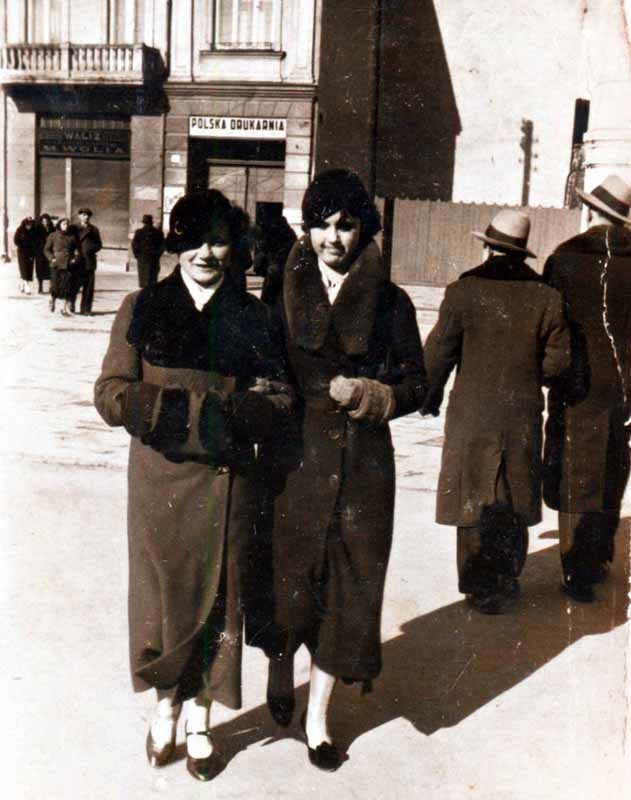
{"type": "Point", "coordinates": [192, 372]}
{"type": "Point", "coordinates": [62, 253]}
{"type": "Point", "coordinates": [355, 353]}
{"type": "Point", "coordinates": [25, 241]}
{"type": "Point", "coordinates": [504, 332]}
{"type": "Point", "coordinates": [43, 229]}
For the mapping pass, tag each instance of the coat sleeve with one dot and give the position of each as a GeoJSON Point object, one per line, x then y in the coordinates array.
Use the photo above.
{"type": "Point", "coordinates": [135, 244]}
{"type": "Point", "coordinates": [443, 350]}
{"type": "Point", "coordinates": [48, 248]}
{"type": "Point", "coordinates": [264, 411]}
{"type": "Point", "coordinates": [556, 357]}
{"type": "Point", "coordinates": [406, 374]}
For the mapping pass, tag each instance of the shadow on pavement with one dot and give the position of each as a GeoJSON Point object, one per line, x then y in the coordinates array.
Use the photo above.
{"type": "Point", "coordinates": [449, 663]}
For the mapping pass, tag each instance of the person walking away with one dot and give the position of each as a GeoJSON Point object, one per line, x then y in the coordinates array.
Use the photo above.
{"type": "Point", "coordinates": [62, 254]}
{"type": "Point", "coordinates": [25, 242]}
{"type": "Point", "coordinates": [273, 241]}
{"type": "Point", "coordinates": [503, 330]}
{"type": "Point", "coordinates": [147, 246]}
{"type": "Point", "coordinates": [43, 228]}
{"type": "Point", "coordinates": [195, 373]}
{"type": "Point", "coordinates": [89, 245]}
{"type": "Point", "coordinates": [586, 459]}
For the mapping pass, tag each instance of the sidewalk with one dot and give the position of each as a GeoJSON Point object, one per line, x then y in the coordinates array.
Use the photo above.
{"type": "Point", "coordinates": [528, 706]}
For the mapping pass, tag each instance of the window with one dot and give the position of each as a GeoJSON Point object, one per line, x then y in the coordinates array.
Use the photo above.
{"type": "Point", "coordinates": [246, 25]}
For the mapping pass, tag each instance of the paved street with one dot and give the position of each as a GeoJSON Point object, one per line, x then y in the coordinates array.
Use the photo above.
{"type": "Point", "coordinates": [528, 706]}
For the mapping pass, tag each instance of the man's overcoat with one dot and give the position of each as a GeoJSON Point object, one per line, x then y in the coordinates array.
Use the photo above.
{"type": "Point", "coordinates": [191, 510]}
{"type": "Point", "coordinates": [587, 454]}
{"type": "Point", "coordinates": [147, 247]}
{"type": "Point", "coordinates": [333, 514]}
{"type": "Point", "coordinates": [503, 330]}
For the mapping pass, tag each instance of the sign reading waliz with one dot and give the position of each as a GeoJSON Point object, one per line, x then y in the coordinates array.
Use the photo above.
{"type": "Point", "coordinates": [58, 136]}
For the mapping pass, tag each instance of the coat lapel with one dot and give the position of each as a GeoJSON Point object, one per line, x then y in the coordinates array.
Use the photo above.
{"type": "Point", "coordinates": [310, 316]}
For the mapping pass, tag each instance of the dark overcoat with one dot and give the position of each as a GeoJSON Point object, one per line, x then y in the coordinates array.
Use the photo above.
{"type": "Point", "coordinates": [191, 511]}
{"type": "Point", "coordinates": [504, 332]}
{"type": "Point", "coordinates": [61, 251]}
{"type": "Point", "coordinates": [25, 241]}
{"type": "Point", "coordinates": [147, 247]}
{"type": "Point", "coordinates": [587, 453]}
{"type": "Point", "coordinates": [336, 499]}
{"type": "Point", "coordinates": [42, 267]}
{"type": "Point", "coordinates": [89, 245]}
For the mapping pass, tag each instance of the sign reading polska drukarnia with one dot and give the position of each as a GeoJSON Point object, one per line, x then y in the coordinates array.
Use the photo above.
{"type": "Point", "coordinates": [237, 127]}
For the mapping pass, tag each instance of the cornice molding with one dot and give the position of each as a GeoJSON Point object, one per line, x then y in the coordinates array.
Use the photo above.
{"type": "Point", "coordinates": [243, 90]}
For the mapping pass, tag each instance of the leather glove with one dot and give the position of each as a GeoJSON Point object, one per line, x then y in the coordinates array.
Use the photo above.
{"type": "Point", "coordinates": [377, 403]}
{"type": "Point", "coordinates": [346, 391]}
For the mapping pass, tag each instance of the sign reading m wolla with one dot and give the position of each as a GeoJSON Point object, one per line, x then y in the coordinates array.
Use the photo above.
{"type": "Point", "coordinates": [237, 127]}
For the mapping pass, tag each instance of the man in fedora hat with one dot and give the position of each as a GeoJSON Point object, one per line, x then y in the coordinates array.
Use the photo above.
{"type": "Point", "coordinates": [586, 459]}
{"type": "Point", "coordinates": [503, 330]}
{"type": "Point", "coordinates": [147, 247]}
{"type": "Point", "coordinates": [89, 245]}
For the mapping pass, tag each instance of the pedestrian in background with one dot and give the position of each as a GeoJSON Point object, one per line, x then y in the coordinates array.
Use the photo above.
{"type": "Point", "coordinates": [273, 239]}
{"type": "Point", "coordinates": [503, 330]}
{"type": "Point", "coordinates": [147, 247]}
{"type": "Point", "coordinates": [25, 239]}
{"type": "Point", "coordinates": [354, 349]}
{"type": "Point", "coordinates": [195, 373]}
{"type": "Point", "coordinates": [43, 228]}
{"type": "Point", "coordinates": [587, 432]}
{"type": "Point", "coordinates": [62, 254]}
{"type": "Point", "coordinates": [89, 245]}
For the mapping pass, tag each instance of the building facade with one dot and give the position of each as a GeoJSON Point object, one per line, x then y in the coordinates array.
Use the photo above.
{"type": "Point", "coordinates": [123, 105]}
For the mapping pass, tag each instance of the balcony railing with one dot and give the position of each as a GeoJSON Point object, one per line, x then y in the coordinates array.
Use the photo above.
{"type": "Point", "coordinates": [78, 63]}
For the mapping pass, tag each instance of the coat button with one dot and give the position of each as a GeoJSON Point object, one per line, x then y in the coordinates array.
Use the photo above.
{"type": "Point", "coordinates": [334, 479]}
{"type": "Point", "coordinates": [334, 434]}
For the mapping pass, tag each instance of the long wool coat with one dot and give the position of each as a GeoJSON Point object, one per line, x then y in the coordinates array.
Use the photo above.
{"type": "Point", "coordinates": [334, 508]}
{"type": "Point", "coordinates": [191, 511]}
{"type": "Point", "coordinates": [587, 453]}
{"type": "Point", "coordinates": [503, 329]}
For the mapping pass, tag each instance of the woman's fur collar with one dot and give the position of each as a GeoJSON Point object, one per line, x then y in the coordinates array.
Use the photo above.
{"type": "Point", "coordinates": [309, 314]}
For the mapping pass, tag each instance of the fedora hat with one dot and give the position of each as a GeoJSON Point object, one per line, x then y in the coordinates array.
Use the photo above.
{"type": "Point", "coordinates": [84, 210]}
{"type": "Point", "coordinates": [508, 232]}
{"type": "Point", "coordinates": [612, 197]}
{"type": "Point", "coordinates": [147, 219]}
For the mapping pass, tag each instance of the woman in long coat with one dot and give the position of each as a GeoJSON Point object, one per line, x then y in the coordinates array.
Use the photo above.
{"type": "Point", "coordinates": [25, 242]}
{"type": "Point", "coordinates": [354, 349]}
{"type": "Point", "coordinates": [43, 229]}
{"type": "Point", "coordinates": [181, 375]}
{"type": "Point", "coordinates": [61, 251]}
{"type": "Point", "coordinates": [504, 332]}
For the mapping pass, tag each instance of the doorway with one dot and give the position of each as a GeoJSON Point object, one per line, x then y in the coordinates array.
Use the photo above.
{"type": "Point", "coordinates": [249, 185]}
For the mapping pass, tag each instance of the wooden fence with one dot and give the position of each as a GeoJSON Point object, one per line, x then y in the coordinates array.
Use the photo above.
{"type": "Point", "coordinates": [432, 242]}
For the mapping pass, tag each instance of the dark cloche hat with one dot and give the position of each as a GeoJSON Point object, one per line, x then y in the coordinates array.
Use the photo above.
{"type": "Point", "coordinates": [339, 190]}
{"type": "Point", "coordinates": [196, 215]}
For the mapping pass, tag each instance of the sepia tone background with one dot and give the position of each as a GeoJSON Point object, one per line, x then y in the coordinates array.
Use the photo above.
{"type": "Point", "coordinates": [449, 110]}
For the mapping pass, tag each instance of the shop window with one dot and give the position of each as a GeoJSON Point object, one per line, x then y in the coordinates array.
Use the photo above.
{"type": "Point", "coordinates": [246, 24]}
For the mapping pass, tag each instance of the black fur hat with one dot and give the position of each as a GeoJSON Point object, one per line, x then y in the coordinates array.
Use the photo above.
{"type": "Point", "coordinates": [196, 216]}
{"type": "Point", "coordinates": [339, 190]}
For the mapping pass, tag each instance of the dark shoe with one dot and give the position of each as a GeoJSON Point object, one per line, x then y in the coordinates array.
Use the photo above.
{"type": "Point", "coordinates": [581, 592]}
{"type": "Point", "coordinates": [203, 769]}
{"type": "Point", "coordinates": [160, 756]}
{"type": "Point", "coordinates": [281, 706]}
{"type": "Point", "coordinates": [325, 756]}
